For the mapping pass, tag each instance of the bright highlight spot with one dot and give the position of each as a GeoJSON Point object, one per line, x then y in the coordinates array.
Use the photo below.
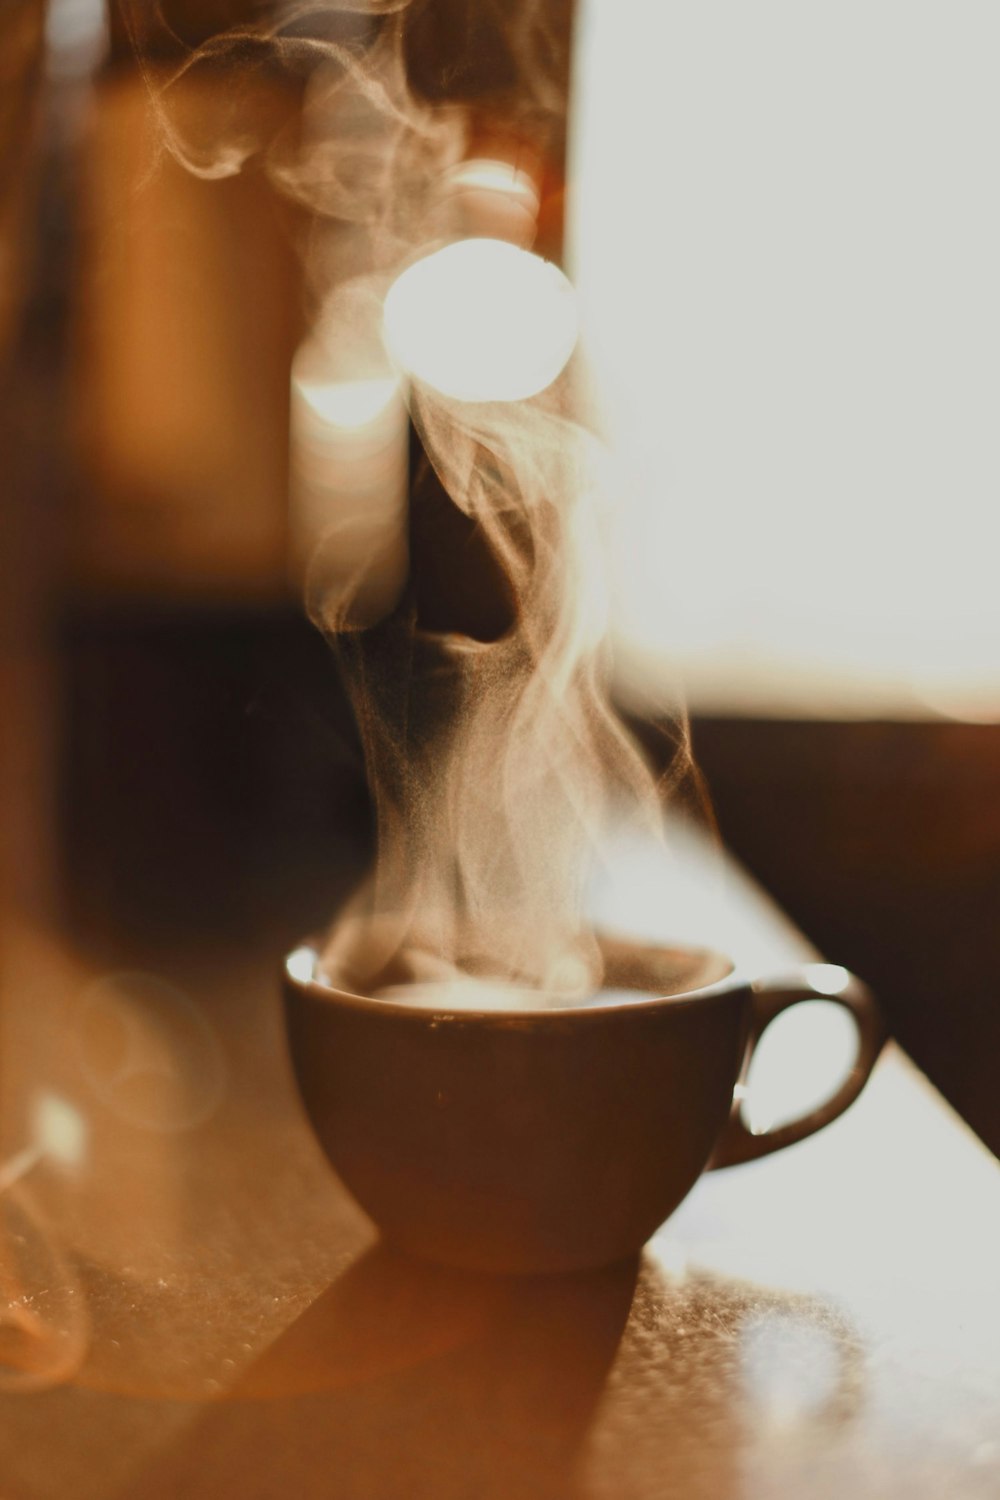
{"type": "Point", "coordinates": [827, 979]}
{"type": "Point", "coordinates": [491, 175]}
{"type": "Point", "coordinates": [59, 1133]}
{"type": "Point", "coordinates": [349, 405]}
{"type": "Point", "coordinates": [482, 320]}
{"type": "Point", "coordinates": [492, 198]}
{"type": "Point", "coordinates": [348, 492]}
{"type": "Point", "coordinates": [60, 1130]}
{"type": "Point", "coordinates": [301, 965]}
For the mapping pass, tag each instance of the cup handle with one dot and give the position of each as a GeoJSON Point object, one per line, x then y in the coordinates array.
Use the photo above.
{"type": "Point", "coordinates": [769, 998]}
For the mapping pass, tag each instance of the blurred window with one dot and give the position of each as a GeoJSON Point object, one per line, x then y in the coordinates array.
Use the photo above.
{"type": "Point", "coordinates": [786, 233]}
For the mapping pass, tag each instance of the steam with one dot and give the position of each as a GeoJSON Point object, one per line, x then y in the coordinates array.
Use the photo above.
{"type": "Point", "coordinates": [494, 756]}
{"type": "Point", "coordinates": [496, 759]}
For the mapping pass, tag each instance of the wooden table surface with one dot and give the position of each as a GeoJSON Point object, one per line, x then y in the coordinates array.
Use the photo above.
{"type": "Point", "coordinates": [191, 1306]}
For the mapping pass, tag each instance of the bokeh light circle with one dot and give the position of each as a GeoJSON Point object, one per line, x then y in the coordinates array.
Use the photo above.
{"type": "Point", "coordinates": [482, 320]}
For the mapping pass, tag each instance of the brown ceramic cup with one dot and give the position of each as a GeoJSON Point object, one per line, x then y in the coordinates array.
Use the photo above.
{"type": "Point", "coordinates": [548, 1139]}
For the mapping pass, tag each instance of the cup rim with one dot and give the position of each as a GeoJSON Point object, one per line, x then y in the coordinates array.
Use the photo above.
{"type": "Point", "coordinates": [300, 970]}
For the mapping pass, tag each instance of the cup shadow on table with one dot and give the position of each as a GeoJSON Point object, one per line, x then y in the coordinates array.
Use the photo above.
{"type": "Point", "coordinates": [405, 1379]}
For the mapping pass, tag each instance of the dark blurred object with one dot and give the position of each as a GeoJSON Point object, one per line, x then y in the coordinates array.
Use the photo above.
{"type": "Point", "coordinates": [882, 841]}
{"type": "Point", "coordinates": [24, 365]}
{"type": "Point", "coordinates": [476, 599]}
{"type": "Point", "coordinates": [20, 77]}
{"type": "Point", "coordinates": [512, 63]}
{"type": "Point", "coordinates": [212, 783]}
{"type": "Point", "coordinates": [175, 25]}
{"type": "Point", "coordinates": [509, 67]}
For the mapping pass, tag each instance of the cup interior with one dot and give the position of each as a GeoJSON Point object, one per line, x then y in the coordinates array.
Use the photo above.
{"type": "Point", "coordinates": [634, 971]}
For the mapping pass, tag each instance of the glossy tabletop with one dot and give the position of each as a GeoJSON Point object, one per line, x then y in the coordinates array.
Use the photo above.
{"type": "Point", "coordinates": [190, 1305]}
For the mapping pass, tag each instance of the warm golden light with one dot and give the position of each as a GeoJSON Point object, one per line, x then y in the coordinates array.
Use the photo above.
{"type": "Point", "coordinates": [490, 196]}
{"type": "Point", "coordinates": [482, 320]}
{"type": "Point", "coordinates": [349, 472]}
{"type": "Point", "coordinates": [976, 702]}
{"type": "Point", "coordinates": [348, 405]}
{"type": "Point", "coordinates": [59, 1134]}
{"type": "Point", "coordinates": [495, 176]}
{"type": "Point", "coordinates": [60, 1131]}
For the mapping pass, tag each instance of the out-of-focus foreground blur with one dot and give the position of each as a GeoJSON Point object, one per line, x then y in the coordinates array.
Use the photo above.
{"type": "Point", "coordinates": [787, 283]}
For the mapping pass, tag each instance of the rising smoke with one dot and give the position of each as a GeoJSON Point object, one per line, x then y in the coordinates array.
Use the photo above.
{"type": "Point", "coordinates": [494, 756]}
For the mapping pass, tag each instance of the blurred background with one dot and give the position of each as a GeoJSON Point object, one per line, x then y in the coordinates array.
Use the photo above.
{"type": "Point", "coordinates": [784, 232]}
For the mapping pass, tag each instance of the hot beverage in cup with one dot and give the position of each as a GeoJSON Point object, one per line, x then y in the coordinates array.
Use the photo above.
{"type": "Point", "coordinates": [500, 1129]}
